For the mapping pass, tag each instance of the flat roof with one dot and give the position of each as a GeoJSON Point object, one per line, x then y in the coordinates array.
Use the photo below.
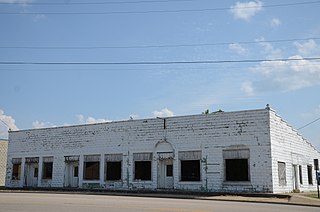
{"type": "Point", "coordinates": [142, 119]}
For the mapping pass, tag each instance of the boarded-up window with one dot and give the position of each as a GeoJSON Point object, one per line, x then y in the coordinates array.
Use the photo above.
{"type": "Point", "coordinates": [142, 166]}
{"type": "Point", "coordinates": [142, 156]}
{"type": "Point", "coordinates": [113, 166]}
{"type": "Point", "coordinates": [47, 159]}
{"type": "Point", "coordinates": [236, 164]}
{"type": "Point", "coordinates": [190, 165]}
{"type": "Point", "coordinates": [47, 168]}
{"type": "Point", "coordinates": [16, 168]}
{"type": "Point", "coordinates": [236, 154]}
{"type": "Point", "coordinates": [282, 173]}
{"type": "Point", "coordinates": [190, 155]}
{"type": "Point", "coordinates": [32, 160]}
{"type": "Point", "coordinates": [91, 167]}
{"type": "Point", "coordinates": [310, 181]}
{"type": "Point", "coordinates": [113, 157]}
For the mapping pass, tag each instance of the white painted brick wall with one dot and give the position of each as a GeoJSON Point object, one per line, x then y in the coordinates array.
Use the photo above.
{"type": "Point", "coordinates": [290, 147]}
{"type": "Point", "coordinates": [209, 133]}
{"type": "Point", "coordinates": [3, 161]}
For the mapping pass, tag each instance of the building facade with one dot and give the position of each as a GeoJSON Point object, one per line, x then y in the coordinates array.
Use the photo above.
{"type": "Point", "coordinates": [243, 151]}
{"type": "Point", "coordinates": [3, 160]}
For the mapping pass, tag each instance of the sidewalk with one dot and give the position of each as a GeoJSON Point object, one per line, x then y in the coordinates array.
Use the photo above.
{"type": "Point", "coordinates": [293, 199]}
{"type": "Point", "coordinates": [288, 198]}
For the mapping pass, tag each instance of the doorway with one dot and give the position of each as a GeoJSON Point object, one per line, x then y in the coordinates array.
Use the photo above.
{"type": "Point", "coordinates": [72, 174]}
{"type": "Point", "coordinates": [165, 174]}
{"type": "Point", "coordinates": [295, 177]}
{"type": "Point", "coordinates": [31, 175]}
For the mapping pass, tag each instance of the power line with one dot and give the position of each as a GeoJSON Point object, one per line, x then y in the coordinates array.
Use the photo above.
{"type": "Point", "coordinates": [93, 3]}
{"type": "Point", "coordinates": [4, 123]}
{"type": "Point", "coordinates": [156, 46]}
{"type": "Point", "coordinates": [309, 123]}
{"type": "Point", "coordinates": [157, 11]}
{"type": "Point", "coordinates": [157, 62]}
{"type": "Point", "coordinates": [224, 68]}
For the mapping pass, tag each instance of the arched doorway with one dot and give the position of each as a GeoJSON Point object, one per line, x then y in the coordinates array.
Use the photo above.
{"type": "Point", "coordinates": [165, 156]}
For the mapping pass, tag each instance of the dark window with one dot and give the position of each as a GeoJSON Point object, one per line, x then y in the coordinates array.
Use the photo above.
{"type": "Point", "coordinates": [76, 171]}
{"type": "Point", "coordinates": [190, 170]}
{"type": "Point", "coordinates": [169, 170]}
{"type": "Point", "coordinates": [142, 170]}
{"type": "Point", "coordinates": [114, 170]}
{"type": "Point", "coordinates": [300, 175]}
{"type": "Point", "coordinates": [92, 170]}
{"type": "Point", "coordinates": [47, 170]}
{"type": "Point", "coordinates": [310, 175]}
{"type": "Point", "coordinates": [16, 170]}
{"type": "Point", "coordinates": [35, 173]}
{"type": "Point", "coordinates": [282, 173]}
{"type": "Point", "coordinates": [237, 170]}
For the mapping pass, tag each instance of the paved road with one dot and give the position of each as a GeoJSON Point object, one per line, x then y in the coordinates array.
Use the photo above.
{"type": "Point", "coordinates": [34, 202]}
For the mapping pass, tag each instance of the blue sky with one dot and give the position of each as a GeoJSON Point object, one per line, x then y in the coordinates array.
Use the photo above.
{"type": "Point", "coordinates": [33, 96]}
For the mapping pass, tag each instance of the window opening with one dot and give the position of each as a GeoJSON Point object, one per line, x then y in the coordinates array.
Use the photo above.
{"type": "Point", "coordinates": [310, 175]}
{"type": "Point", "coordinates": [16, 171]}
{"type": "Point", "coordinates": [76, 171]}
{"type": "Point", "coordinates": [47, 170]}
{"type": "Point", "coordinates": [92, 170]}
{"type": "Point", "coordinates": [169, 170]}
{"type": "Point", "coordinates": [300, 174]}
{"type": "Point", "coordinates": [35, 173]}
{"type": "Point", "coordinates": [114, 170]}
{"type": "Point", "coordinates": [190, 170]}
{"type": "Point", "coordinates": [237, 170]}
{"type": "Point", "coordinates": [142, 170]}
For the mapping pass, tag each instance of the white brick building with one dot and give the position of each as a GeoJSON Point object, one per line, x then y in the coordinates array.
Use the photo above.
{"type": "Point", "coordinates": [3, 160]}
{"type": "Point", "coordinates": [253, 151]}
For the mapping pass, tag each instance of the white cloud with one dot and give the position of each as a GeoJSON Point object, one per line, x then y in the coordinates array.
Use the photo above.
{"type": "Point", "coordinates": [309, 47]}
{"type": "Point", "coordinates": [247, 88]}
{"type": "Point", "coordinates": [270, 51]}
{"type": "Point", "coordinates": [9, 124]}
{"type": "Point", "coordinates": [40, 124]}
{"type": "Point", "coordinates": [81, 120]}
{"type": "Point", "coordinates": [286, 75]}
{"type": "Point", "coordinates": [236, 47]}
{"type": "Point", "coordinates": [16, 1]}
{"type": "Point", "coordinates": [90, 120]}
{"type": "Point", "coordinates": [275, 22]}
{"type": "Point", "coordinates": [289, 75]}
{"type": "Point", "coordinates": [39, 17]}
{"type": "Point", "coordinates": [165, 112]}
{"type": "Point", "coordinates": [246, 10]}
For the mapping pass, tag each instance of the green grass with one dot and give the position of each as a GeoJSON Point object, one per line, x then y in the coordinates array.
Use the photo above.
{"type": "Point", "coordinates": [313, 195]}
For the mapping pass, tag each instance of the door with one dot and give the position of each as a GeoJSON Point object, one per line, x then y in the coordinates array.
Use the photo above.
{"type": "Point", "coordinates": [72, 174]}
{"type": "Point", "coordinates": [165, 174]}
{"type": "Point", "coordinates": [295, 178]}
{"type": "Point", "coordinates": [32, 175]}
